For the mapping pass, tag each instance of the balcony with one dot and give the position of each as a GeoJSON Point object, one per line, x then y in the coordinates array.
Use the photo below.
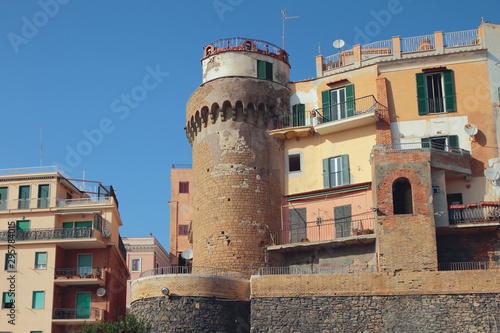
{"type": "Point", "coordinates": [69, 316]}
{"type": "Point", "coordinates": [299, 270]}
{"type": "Point", "coordinates": [80, 276]}
{"type": "Point", "coordinates": [44, 203]}
{"type": "Point", "coordinates": [334, 118]}
{"type": "Point", "coordinates": [348, 231]}
{"type": "Point", "coordinates": [482, 214]}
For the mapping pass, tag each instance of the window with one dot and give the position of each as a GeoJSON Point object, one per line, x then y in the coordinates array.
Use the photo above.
{"type": "Point", "coordinates": [299, 115]}
{"type": "Point", "coordinates": [38, 299]}
{"type": "Point", "coordinates": [183, 187]}
{"type": "Point", "coordinates": [43, 196]}
{"type": "Point", "coordinates": [445, 143]}
{"type": "Point", "coordinates": [298, 224]}
{"type": "Point", "coordinates": [343, 221]}
{"type": "Point", "coordinates": [69, 196]}
{"type": "Point", "coordinates": [264, 70]}
{"type": "Point", "coordinates": [36, 332]}
{"type": "Point", "coordinates": [24, 197]}
{"type": "Point", "coordinates": [3, 198]}
{"type": "Point", "coordinates": [338, 103]}
{"type": "Point", "coordinates": [23, 225]}
{"type": "Point", "coordinates": [435, 92]}
{"type": "Point", "coordinates": [293, 162]}
{"type": "Point", "coordinates": [336, 171]}
{"type": "Point", "coordinates": [8, 301]}
{"type": "Point", "coordinates": [402, 197]}
{"type": "Point", "coordinates": [183, 230]}
{"type": "Point", "coordinates": [10, 261]}
{"type": "Point", "coordinates": [40, 260]}
{"type": "Point", "coordinates": [136, 265]}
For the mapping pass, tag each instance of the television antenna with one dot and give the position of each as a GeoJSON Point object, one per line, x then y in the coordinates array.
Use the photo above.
{"type": "Point", "coordinates": [284, 17]}
{"type": "Point", "coordinates": [41, 156]}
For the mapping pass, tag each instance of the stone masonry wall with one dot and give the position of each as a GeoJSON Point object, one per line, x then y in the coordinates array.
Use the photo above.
{"type": "Point", "coordinates": [193, 314]}
{"type": "Point", "coordinates": [417, 313]}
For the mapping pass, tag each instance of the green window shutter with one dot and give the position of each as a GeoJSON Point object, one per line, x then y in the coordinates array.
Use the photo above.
{"type": "Point", "coordinates": [302, 114]}
{"type": "Point", "coordinates": [8, 298]}
{"type": "Point", "coordinates": [269, 71]}
{"type": "Point", "coordinates": [24, 192]}
{"type": "Point", "coordinates": [261, 69]}
{"type": "Point", "coordinates": [421, 94]}
{"type": "Point", "coordinates": [67, 225]}
{"type": "Point", "coordinates": [453, 142]}
{"type": "Point", "coordinates": [23, 225]}
{"type": "Point", "coordinates": [345, 170]}
{"type": "Point", "coordinates": [326, 173]}
{"type": "Point", "coordinates": [449, 91]}
{"type": "Point", "coordinates": [325, 96]}
{"type": "Point", "coordinates": [349, 97]}
{"type": "Point", "coordinates": [3, 193]}
{"type": "Point", "coordinates": [426, 142]}
{"type": "Point", "coordinates": [43, 191]}
{"type": "Point", "coordinates": [83, 224]}
{"type": "Point", "coordinates": [41, 258]}
{"type": "Point", "coordinates": [295, 115]}
{"type": "Point", "coordinates": [38, 299]}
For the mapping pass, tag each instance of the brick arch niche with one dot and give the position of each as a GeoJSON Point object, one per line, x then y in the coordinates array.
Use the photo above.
{"type": "Point", "coordinates": [418, 192]}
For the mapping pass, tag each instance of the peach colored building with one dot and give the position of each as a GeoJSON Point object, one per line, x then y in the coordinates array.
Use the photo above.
{"type": "Point", "coordinates": [181, 212]}
{"type": "Point", "coordinates": [61, 248]}
{"type": "Point", "coordinates": [143, 254]}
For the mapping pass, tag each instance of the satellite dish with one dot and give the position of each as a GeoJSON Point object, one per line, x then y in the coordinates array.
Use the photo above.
{"type": "Point", "coordinates": [165, 291]}
{"type": "Point", "coordinates": [338, 44]}
{"type": "Point", "coordinates": [101, 292]}
{"type": "Point", "coordinates": [492, 174]}
{"type": "Point", "coordinates": [470, 129]}
{"type": "Point", "coordinates": [187, 254]}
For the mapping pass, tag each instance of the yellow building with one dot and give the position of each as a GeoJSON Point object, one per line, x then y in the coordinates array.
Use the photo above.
{"type": "Point", "coordinates": [61, 250]}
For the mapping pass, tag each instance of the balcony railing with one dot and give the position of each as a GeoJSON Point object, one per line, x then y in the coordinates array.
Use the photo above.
{"type": "Point", "coordinates": [411, 146]}
{"type": "Point", "coordinates": [461, 38]}
{"type": "Point", "coordinates": [80, 313]}
{"type": "Point", "coordinates": [47, 234]}
{"type": "Point", "coordinates": [122, 248]}
{"type": "Point", "coordinates": [241, 43]}
{"type": "Point", "coordinates": [199, 270]}
{"type": "Point", "coordinates": [33, 170]}
{"type": "Point", "coordinates": [467, 266]}
{"type": "Point", "coordinates": [84, 201]}
{"type": "Point", "coordinates": [339, 269]}
{"type": "Point", "coordinates": [344, 58]}
{"type": "Point", "coordinates": [93, 272]}
{"type": "Point", "coordinates": [37, 203]}
{"type": "Point", "coordinates": [474, 213]}
{"type": "Point", "coordinates": [321, 230]}
{"type": "Point", "coordinates": [335, 112]}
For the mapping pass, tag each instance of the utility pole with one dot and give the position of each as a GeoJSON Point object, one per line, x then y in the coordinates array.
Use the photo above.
{"type": "Point", "coordinates": [284, 17]}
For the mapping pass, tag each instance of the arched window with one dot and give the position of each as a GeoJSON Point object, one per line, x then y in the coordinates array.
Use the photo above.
{"type": "Point", "coordinates": [401, 196]}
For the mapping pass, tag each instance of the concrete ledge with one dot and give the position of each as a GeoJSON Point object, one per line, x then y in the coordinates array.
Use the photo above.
{"type": "Point", "coordinates": [368, 284]}
{"type": "Point", "coordinates": [190, 285]}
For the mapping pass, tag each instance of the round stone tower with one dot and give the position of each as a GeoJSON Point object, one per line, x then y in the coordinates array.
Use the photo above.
{"type": "Point", "coordinates": [238, 167]}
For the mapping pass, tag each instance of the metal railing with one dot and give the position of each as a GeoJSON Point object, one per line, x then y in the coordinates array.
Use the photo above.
{"type": "Point", "coordinates": [122, 248]}
{"type": "Point", "coordinates": [338, 60]}
{"type": "Point", "coordinates": [30, 203]}
{"type": "Point", "coordinates": [411, 146]}
{"type": "Point", "coordinates": [84, 201]}
{"type": "Point", "coordinates": [461, 38]}
{"type": "Point", "coordinates": [33, 170]}
{"type": "Point", "coordinates": [94, 272]}
{"type": "Point", "coordinates": [376, 49]}
{"type": "Point", "coordinates": [356, 225]}
{"type": "Point", "coordinates": [47, 234]}
{"type": "Point", "coordinates": [237, 42]}
{"type": "Point", "coordinates": [417, 44]}
{"type": "Point", "coordinates": [334, 112]}
{"type": "Point", "coordinates": [467, 266]}
{"type": "Point", "coordinates": [459, 214]}
{"type": "Point", "coordinates": [340, 269]}
{"type": "Point", "coordinates": [198, 270]}
{"type": "Point", "coordinates": [182, 166]}
{"type": "Point", "coordinates": [80, 313]}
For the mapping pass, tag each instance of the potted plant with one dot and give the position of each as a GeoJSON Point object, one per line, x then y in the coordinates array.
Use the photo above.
{"type": "Point", "coordinates": [98, 273]}
{"type": "Point", "coordinates": [356, 231]}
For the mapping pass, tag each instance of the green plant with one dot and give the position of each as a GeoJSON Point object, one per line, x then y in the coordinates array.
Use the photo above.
{"type": "Point", "coordinates": [129, 324]}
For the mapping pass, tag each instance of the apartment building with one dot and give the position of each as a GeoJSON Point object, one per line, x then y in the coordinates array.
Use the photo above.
{"type": "Point", "coordinates": [61, 249]}
{"type": "Point", "coordinates": [181, 212]}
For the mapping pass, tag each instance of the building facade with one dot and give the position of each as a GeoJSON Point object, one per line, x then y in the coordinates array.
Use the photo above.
{"type": "Point", "coordinates": [181, 212]}
{"type": "Point", "coordinates": [61, 250]}
{"type": "Point", "coordinates": [143, 254]}
{"type": "Point", "coordinates": [387, 213]}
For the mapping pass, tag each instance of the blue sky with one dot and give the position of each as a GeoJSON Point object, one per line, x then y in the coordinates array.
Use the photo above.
{"type": "Point", "coordinates": [72, 66]}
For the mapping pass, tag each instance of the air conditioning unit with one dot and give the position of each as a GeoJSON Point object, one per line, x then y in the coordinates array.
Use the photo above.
{"type": "Point", "coordinates": [319, 220]}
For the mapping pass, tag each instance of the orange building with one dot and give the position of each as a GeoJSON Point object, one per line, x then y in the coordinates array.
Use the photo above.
{"type": "Point", "coordinates": [62, 250]}
{"type": "Point", "coordinates": [143, 254]}
{"type": "Point", "coordinates": [181, 212]}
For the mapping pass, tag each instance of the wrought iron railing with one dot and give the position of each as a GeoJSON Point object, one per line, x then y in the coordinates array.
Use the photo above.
{"type": "Point", "coordinates": [94, 272]}
{"type": "Point", "coordinates": [461, 38]}
{"type": "Point", "coordinates": [122, 248]}
{"type": "Point", "coordinates": [474, 213]}
{"type": "Point", "coordinates": [79, 313]}
{"type": "Point", "coordinates": [328, 229]}
{"type": "Point", "coordinates": [334, 112]}
{"type": "Point", "coordinates": [467, 266]}
{"type": "Point", "coordinates": [198, 270]}
{"type": "Point", "coordinates": [338, 269]}
{"type": "Point", "coordinates": [47, 234]}
{"type": "Point", "coordinates": [225, 44]}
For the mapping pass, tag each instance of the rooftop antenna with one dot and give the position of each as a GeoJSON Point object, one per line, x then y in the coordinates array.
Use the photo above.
{"type": "Point", "coordinates": [284, 17]}
{"type": "Point", "coordinates": [41, 156]}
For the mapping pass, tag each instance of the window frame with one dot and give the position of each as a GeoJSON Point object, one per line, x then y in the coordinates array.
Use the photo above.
{"type": "Point", "coordinates": [24, 202]}
{"type": "Point", "coordinates": [344, 171]}
{"type": "Point", "coordinates": [38, 292]}
{"type": "Point", "coordinates": [264, 70]}
{"type": "Point", "coordinates": [349, 104]}
{"type": "Point", "coordinates": [6, 293]}
{"type": "Point", "coordinates": [139, 260]}
{"type": "Point", "coordinates": [452, 142]}
{"type": "Point", "coordinates": [43, 202]}
{"type": "Point", "coordinates": [6, 265]}
{"type": "Point", "coordinates": [448, 103]}
{"type": "Point", "coordinates": [42, 266]}
{"type": "Point", "coordinates": [4, 198]}
{"type": "Point", "coordinates": [183, 233]}
{"type": "Point", "coordinates": [299, 114]}
{"type": "Point", "coordinates": [183, 187]}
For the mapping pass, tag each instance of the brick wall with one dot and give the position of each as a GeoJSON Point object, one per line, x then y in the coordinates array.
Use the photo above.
{"type": "Point", "coordinates": [484, 246]}
{"type": "Point", "coordinates": [383, 136]}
